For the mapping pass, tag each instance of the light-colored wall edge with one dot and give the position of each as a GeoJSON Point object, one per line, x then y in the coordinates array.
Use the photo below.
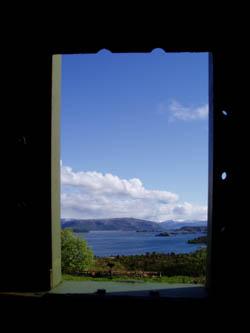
{"type": "Point", "coordinates": [210, 174]}
{"type": "Point", "coordinates": [55, 278]}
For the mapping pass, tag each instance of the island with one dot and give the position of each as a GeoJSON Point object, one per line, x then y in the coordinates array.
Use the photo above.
{"type": "Point", "coordinates": [185, 231]}
{"type": "Point", "coordinates": [198, 240]}
{"type": "Point", "coordinates": [164, 234]}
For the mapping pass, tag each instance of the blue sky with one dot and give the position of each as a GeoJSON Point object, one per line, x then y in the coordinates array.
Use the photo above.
{"type": "Point", "coordinates": [134, 135]}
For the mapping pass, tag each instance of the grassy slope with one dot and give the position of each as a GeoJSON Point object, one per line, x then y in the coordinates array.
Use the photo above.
{"type": "Point", "coordinates": [164, 279]}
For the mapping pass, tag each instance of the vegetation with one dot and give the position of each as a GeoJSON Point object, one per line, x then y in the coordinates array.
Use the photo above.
{"type": "Point", "coordinates": [76, 254]}
{"type": "Point", "coordinates": [79, 263]}
{"type": "Point", "coordinates": [125, 224]}
{"type": "Point", "coordinates": [188, 264]}
{"type": "Point", "coordinates": [198, 240]}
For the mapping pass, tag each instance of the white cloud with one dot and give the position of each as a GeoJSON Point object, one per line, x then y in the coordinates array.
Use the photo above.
{"type": "Point", "coordinates": [94, 195]}
{"type": "Point", "coordinates": [181, 212]}
{"type": "Point", "coordinates": [177, 111]}
{"type": "Point", "coordinates": [110, 185]}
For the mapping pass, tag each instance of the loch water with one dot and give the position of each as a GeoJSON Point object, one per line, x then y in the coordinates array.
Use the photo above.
{"type": "Point", "coordinates": [113, 243]}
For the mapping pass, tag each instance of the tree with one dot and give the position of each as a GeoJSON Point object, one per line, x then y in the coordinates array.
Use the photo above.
{"type": "Point", "coordinates": [76, 254]}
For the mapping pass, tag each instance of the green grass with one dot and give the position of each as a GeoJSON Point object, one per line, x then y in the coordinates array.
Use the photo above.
{"type": "Point", "coordinates": [163, 279]}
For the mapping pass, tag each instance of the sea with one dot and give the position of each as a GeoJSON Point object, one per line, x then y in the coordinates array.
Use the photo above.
{"type": "Point", "coordinates": [113, 243]}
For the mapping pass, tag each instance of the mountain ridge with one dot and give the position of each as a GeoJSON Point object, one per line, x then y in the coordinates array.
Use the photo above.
{"type": "Point", "coordinates": [172, 224]}
{"type": "Point", "coordinates": [124, 224]}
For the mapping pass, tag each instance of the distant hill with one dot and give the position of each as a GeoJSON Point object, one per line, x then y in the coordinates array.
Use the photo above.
{"type": "Point", "coordinates": [191, 230]}
{"type": "Point", "coordinates": [123, 224]}
{"type": "Point", "coordinates": [171, 224]}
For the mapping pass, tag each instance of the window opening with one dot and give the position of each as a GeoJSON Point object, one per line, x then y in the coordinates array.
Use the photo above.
{"type": "Point", "coordinates": [134, 166]}
{"type": "Point", "coordinates": [223, 175]}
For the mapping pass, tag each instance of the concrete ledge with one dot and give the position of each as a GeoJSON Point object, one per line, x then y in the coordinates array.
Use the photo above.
{"type": "Point", "coordinates": [131, 288]}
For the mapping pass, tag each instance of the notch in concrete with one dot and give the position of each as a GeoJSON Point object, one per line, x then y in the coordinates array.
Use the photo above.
{"type": "Point", "coordinates": [154, 293]}
{"type": "Point", "coordinates": [101, 291]}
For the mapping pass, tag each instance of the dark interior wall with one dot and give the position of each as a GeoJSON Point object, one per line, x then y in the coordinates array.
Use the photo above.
{"type": "Point", "coordinates": [223, 258]}
{"type": "Point", "coordinates": [26, 231]}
